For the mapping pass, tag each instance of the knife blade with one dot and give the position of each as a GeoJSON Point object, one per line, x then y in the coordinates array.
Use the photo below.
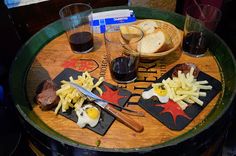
{"type": "Point", "coordinates": [95, 98]}
{"type": "Point", "coordinates": [105, 105]}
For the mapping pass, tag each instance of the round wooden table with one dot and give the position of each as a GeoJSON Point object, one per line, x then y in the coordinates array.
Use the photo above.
{"type": "Point", "coordinates": [48, 53]}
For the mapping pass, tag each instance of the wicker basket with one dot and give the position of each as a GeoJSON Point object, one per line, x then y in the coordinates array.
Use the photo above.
{"type": "Point", "coordinates": [173, 32]}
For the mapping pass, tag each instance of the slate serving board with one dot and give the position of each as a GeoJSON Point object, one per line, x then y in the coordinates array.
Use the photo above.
{"type": "Point", "coordinates": [191, 111]}
{"type": "Point", "coordinates": [106, 119]}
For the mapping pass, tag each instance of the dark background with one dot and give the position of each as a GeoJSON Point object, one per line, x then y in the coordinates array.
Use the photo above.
{"type": "Point", "coordinates": [18, 24]}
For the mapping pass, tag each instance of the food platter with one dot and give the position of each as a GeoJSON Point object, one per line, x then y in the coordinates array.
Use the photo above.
{"type": "Point", "coordinates": [51, 56]}
{"type": "Point", "coordinates": [160, 39]}
{"type": "Point", "coordinates": [175, 34]}
{"type": "Point", "coordinates": [176, 118]}
{"type": "Point", "coordinates": [118, 95]}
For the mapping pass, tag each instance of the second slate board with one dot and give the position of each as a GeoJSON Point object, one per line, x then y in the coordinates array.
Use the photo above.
{"type": "Point", "coordinates": [169, 115]}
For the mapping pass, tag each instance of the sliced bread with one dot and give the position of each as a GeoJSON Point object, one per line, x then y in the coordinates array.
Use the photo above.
{"type": "Point", "coordinates": [155, 42]}
{"type": "Point", "coordinates": [129, 32]}
{"type": "Point", "coordinates": [148, 26]}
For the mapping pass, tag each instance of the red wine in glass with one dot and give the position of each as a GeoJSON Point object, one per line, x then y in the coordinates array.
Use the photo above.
{"type": "Point", "coordinates": [81, 42]}
{"type": "Point", "coordinates": [124, 69]}
{"type": "Point", "coordinates": [195, 43]}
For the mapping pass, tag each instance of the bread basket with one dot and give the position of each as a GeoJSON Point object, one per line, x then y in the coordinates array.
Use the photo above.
{"type": "Point", "coordinates": [175, 36]}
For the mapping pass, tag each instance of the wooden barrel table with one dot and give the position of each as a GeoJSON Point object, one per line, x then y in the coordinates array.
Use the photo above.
{"type": "Point", "coordinates": [48, 53]}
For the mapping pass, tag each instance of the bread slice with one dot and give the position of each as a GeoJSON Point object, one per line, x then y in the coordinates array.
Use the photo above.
{"type": "Point", "coordinates": [156, 42]}
{"type": "Point", "coordinates": [148, 26]}
{"type": "Point", "coordinates": [129, 32]}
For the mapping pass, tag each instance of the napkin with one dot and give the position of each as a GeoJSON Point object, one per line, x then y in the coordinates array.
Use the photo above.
{"type": "Point", "coordinates": [112, 19]}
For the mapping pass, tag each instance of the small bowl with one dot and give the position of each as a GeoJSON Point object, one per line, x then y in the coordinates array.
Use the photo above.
{"type": "Point", "coordinates": [185, 68]}
{"type": "Point", "coordinates": [175, 35]}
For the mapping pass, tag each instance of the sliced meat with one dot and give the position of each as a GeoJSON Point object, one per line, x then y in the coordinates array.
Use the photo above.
{"type": "Point", "coordinates": [185, 68]}
{"type": "Point", "coordinates": [47, 98]}
{"type": "Point", "coordinates": [46, 84]}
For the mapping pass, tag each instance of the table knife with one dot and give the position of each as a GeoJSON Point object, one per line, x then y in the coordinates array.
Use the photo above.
{"type": "Point", "coordinates": [93, 97]}
{"type": "Point", "coordinates": [105, 105]}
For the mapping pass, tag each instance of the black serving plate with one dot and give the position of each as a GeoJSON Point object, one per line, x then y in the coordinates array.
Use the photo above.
{"type": "Point", "coordinates": [169, 114]}
{"type": "Point", "coordinates": [106, 119]}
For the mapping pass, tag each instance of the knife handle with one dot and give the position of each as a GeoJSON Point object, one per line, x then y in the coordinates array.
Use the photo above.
{"type": "Point", "coordinates": [125, 119]}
